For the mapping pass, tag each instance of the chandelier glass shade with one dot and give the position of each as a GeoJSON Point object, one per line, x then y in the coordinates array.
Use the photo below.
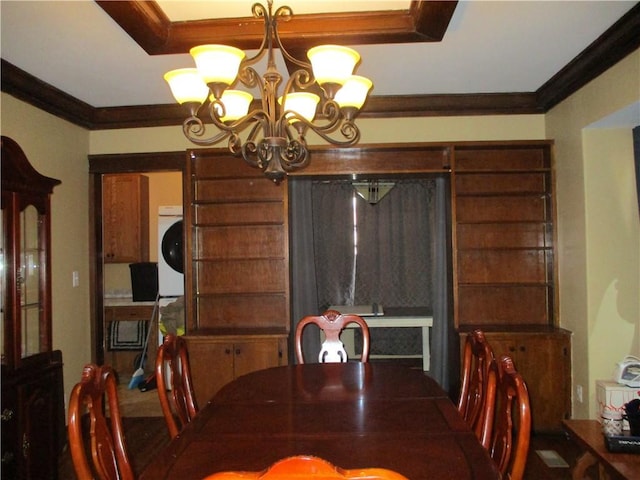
{"type": "Point", "coordinates": [322, 95]}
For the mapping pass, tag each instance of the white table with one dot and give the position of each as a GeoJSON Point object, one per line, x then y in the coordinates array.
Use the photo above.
{"type": "Point", "coordinates": [390, 321]}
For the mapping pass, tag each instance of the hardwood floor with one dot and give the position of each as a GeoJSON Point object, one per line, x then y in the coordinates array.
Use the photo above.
{"type": "Point", "coordinates": [145, 436]}
{"type": "Point", "coordinates": [536, 468]}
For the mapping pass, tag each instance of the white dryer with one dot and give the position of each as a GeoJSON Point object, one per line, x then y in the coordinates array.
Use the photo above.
{"type": "Point", "coordinates": [170, 251]}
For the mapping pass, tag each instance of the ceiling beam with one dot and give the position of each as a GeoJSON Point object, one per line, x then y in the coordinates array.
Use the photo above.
{"type": "Point", "coordinates": [146, 23]}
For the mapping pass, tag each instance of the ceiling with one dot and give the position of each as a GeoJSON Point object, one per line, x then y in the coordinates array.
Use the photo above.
{"type": "Point", "coordinates": [487, 47]}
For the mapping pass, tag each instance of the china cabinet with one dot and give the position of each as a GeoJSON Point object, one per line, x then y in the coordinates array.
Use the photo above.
{"type": "Point", "coordinates": [32, 412]}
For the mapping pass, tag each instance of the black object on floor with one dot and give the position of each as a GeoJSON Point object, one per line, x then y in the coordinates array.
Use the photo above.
{"type": "Point", "coordinates": [149, 383]}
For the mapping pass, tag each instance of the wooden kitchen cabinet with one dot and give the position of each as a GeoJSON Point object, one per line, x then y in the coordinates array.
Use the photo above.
{"type": "Point", "coordinates": [125, 218]}
{"type": "Point", "coordinates": [216, 358]}
{"type": "Point", "coordinates": [32, 410]}
{"type": "Point", "coordinates": [544, 360]}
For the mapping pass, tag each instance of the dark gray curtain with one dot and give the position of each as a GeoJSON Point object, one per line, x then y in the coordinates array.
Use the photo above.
{"type": "Point", "coordinates": [402, 255]}
{"type": "Point", "coordinates": [393, 266]}
{"type": "Point", "coordinates": [444, 344]}
{"type": "Point", "coordinates": [636, 155]}
{"type": "Point", "coordinates": [304, 300]}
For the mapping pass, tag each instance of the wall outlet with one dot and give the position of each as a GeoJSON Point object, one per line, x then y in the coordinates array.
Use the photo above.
{"type": "Point", "coordinates": [579, 393]}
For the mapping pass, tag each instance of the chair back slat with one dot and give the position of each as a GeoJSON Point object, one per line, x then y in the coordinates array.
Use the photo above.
{"type": "Point", "coordinates": [175, 388]}
{"type": "Point", "coordinates": [512, 426]}
{"type": "Point", "coordinates": [332, 323]}
{"type": "Point", "coordinates": [99, 451]}
{"type": "Point", "coordinates": [476, 402]}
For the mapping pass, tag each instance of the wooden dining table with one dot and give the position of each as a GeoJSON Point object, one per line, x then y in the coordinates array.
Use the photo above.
{"type": "Point", "coordinates": [354, 415]}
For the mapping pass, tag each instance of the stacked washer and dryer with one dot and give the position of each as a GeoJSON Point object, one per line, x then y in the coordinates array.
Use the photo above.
{"type": "Point", "coordinates": [170, 257]}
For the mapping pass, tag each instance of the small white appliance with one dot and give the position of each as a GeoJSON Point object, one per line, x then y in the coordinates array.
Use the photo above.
{"type": "Point", "coordinates": [170, 251]}
{"type": "Point", "coordinates": [628, 371]}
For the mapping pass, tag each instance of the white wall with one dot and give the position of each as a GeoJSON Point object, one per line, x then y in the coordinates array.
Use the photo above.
{"type": "Point", "coordinates": [614, 300]}
{"type": "Point", "coordinates": [390, 130]}
{"type": "Point", "coordinates": [599, 231]}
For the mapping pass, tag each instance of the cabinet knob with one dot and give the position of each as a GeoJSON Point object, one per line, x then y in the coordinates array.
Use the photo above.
{"type": "Point", "coordinates": [237, 351]}
{"type": "Point", "coordinates": [7, 414]}
{"type": "Point", "coordinates": [512, 349]}
{"type": "Point", "coordinates": [227, 351]}
{"type": "Point", "coordinates": [25, 446]}
{"type": "Point", "coordinates": [7, 458]}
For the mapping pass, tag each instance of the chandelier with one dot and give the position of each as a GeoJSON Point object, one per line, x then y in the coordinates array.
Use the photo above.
{"type": "Point", "coordinates": [275, 141]}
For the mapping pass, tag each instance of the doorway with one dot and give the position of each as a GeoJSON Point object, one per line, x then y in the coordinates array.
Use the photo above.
{"type": "Point", "coordinates": [166, 177]}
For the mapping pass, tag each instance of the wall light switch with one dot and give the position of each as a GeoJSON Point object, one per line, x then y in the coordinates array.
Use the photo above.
{"type": "Point", "coordinates": [579, 393]}
{"type": "Point", "coordinates": [75, 279]}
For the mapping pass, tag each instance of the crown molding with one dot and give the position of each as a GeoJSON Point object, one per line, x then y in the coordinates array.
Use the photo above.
{"type": "Point", "coordinates": [621, 39]}
{"type": "Point", "coordinates": [611, 47]}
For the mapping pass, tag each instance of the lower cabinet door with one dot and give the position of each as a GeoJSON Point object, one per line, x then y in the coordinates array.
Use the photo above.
{"type": "Point", "coordinates": [217, 360]}
{"type": "Point", "coordinates": [544, 361]}
{"type": "Point", "coordinates": [211, 364]}
{"type": "Point", "coordinates": [256, 355]}
{"type": "Point", "coordinates": [33, 423]}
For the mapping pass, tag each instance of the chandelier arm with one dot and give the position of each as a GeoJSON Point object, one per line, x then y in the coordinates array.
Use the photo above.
{"type": "Point", "coordinates": [258, 115]}
{"type": "Point", "coordinates": [348, 129]}
{"type": "Point", "coordinates": [276, 160]}
{"type": "Point", "coordinates": [258, 11]}
{"type": "Point", "coordinates": [194, 129]}
{"type": "Point", "coordinates": [250, 149]}
{"type": "Point", "coordinates": [276, 35]}
{"type": "Point", "coordinates": [302, 80]}
{"type": "Point", "coordinates": [261, 125]}
{"type": "Point", "coordinates": [295, 155]}
{"type": "Point", "coordinates": [248, 76]}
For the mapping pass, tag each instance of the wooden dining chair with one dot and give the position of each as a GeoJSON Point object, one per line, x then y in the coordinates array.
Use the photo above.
{"type": "Point", "coordinates": [476, 402]}
{"type": "Point", "coordinates": [173, 378]}
{"type": "Point", "coordinates": [509, 445]}
{"type": "Point", "coordinates": [309, 467]}
{"type": "Point", "coordinates": [98, 450]}
{"type": "Point", "coordinates": [332, 323]}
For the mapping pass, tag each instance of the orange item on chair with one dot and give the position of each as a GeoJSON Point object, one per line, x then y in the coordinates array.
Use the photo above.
{"type": "Point", "coordinates": [312, 468]}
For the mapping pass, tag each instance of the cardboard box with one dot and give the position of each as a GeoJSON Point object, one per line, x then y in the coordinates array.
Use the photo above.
{"type": "Point", "coordinates": [613, 396]}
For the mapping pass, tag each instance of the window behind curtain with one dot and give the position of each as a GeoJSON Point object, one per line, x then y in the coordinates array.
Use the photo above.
{"type": "Point", "coordinates": [393, 262]}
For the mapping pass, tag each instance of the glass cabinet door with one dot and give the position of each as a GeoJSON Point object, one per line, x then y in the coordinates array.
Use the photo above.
{"type": "Point", "coordinates": [3, 287]}
{"type": "Point", "coordinates": [25, 335]}
{"type": "Point", "coordinates": [29, 281]}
